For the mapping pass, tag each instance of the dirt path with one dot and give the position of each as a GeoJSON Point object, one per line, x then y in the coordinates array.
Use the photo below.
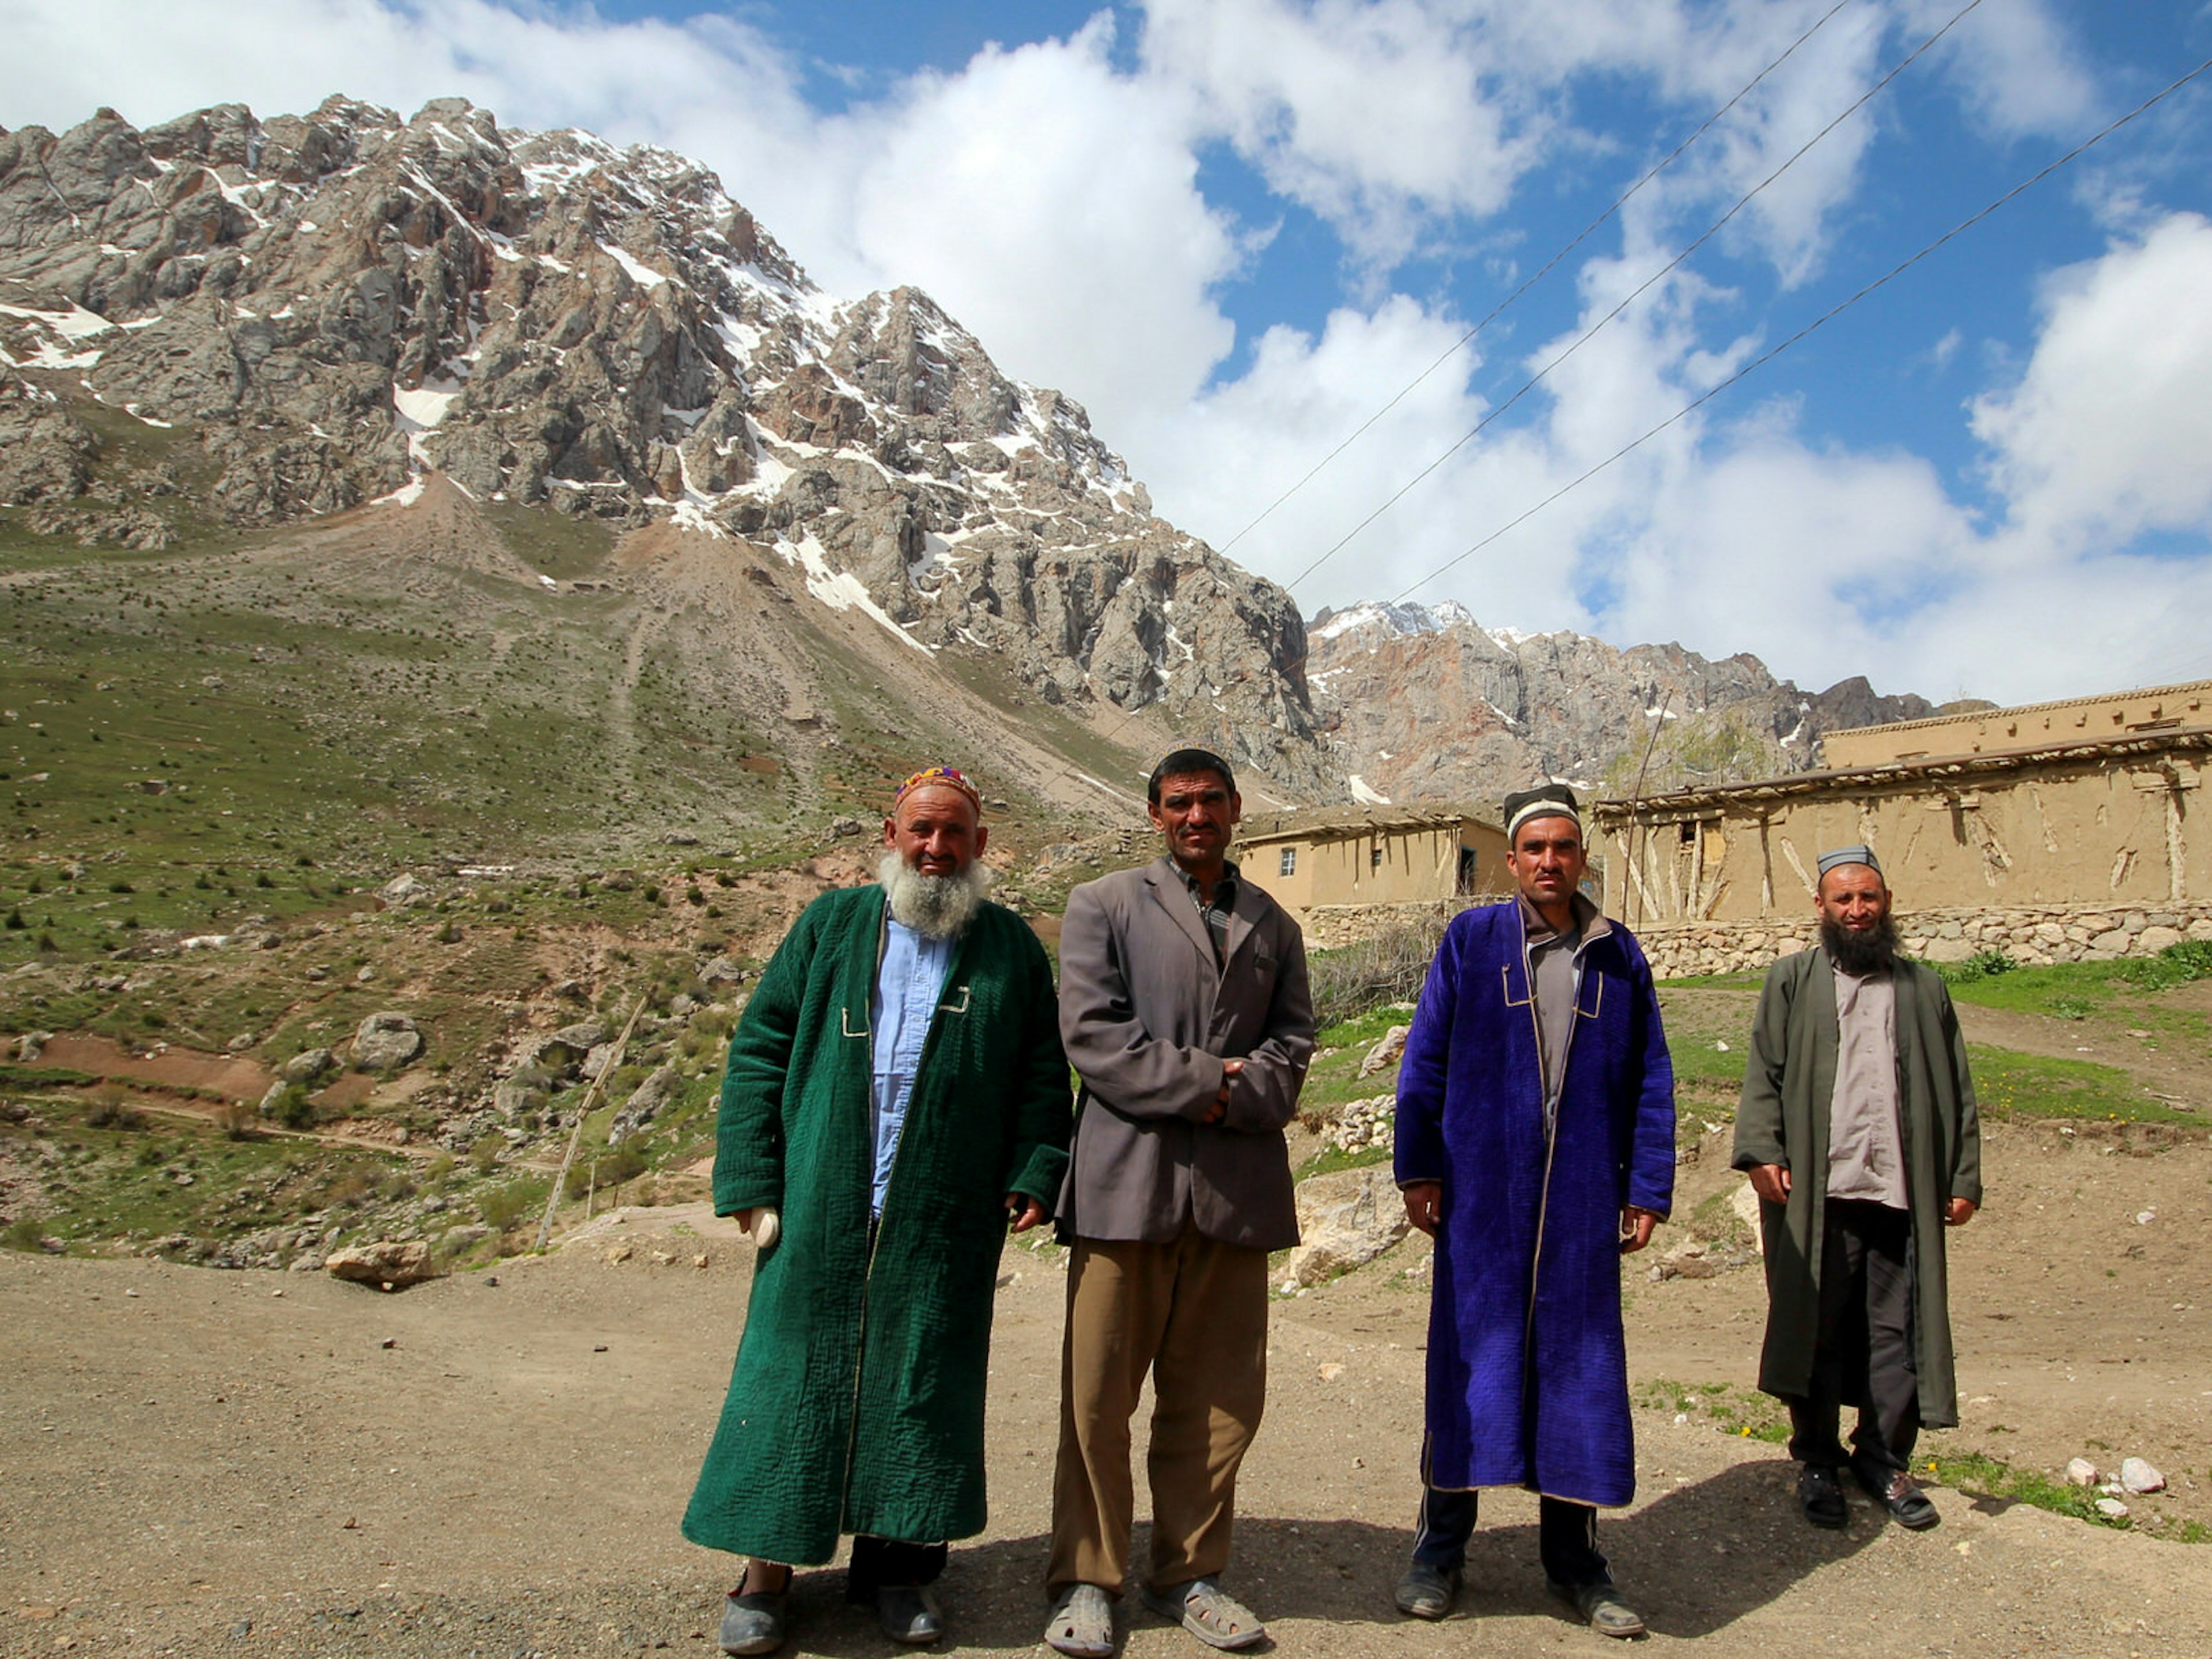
{"type": "Point", "coordinates": [222, 1450]}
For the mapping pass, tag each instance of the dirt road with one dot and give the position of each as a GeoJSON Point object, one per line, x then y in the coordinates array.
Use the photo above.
{"type": "Point", "coordinates": [199, 1462]}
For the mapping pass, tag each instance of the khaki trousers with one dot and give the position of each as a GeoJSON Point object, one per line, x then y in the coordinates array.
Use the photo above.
{"type": "Point", "coordinates": [1194, 1314]}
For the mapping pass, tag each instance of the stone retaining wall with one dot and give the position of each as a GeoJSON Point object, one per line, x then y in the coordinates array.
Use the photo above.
{"type": "Point", "coordinates": [1330, 926]}
{"type": "Point", "coordinates": [2034, 937]}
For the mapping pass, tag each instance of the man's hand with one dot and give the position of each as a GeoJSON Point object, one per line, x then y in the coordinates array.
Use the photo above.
{"type": "Point", "coordinates": [1024, 1211]}
{"type": "Point", "coordinates": [1958, 1212]}
{"type": "Point", "coordinates": [1220, 1107]}
{"type": "Point", "coordinates": [1771, 1181]}
{"type": "Point", "coordinates": [1636, 1225]}
{"type": "Point", "coordinates": [1425, 1204]}
{"type": "Point", "coordinates": [763, 1221]}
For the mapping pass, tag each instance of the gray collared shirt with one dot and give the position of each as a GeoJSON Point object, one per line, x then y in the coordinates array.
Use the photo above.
{"type": "Point", "coordinates": [1216, 915]}
{"type": "Point", "coordinates": [1866, 1148]}
{"type": "Point", "coordinates": [1555, 982]}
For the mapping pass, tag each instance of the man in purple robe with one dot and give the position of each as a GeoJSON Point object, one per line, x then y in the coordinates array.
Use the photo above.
{"type": "Point", "coordinates": [1535, 1143]}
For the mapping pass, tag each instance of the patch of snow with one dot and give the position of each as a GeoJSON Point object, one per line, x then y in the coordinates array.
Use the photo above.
{"type": "Point", "coordinates": [1660, 711]}
{"type": "Point", "coordinates": [640, 273]}
{"type": "Point", "coordinates": [548, 583]}
{"type": "Point", "coordinates": [406, 495]}
{"type": "Point", "coordinates": [425, 406]}
{"type": "Point", "coordinates": [1363, 794]}
{"type": "Point", "coordinates": [841, 590]}
{"type": "Point", "coordinates": [131, 410]}
{"type": "Point", "coordinates": [690, 515]}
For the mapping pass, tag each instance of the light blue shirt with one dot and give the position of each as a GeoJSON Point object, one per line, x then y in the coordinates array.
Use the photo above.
{"type": "Point", "coordinates": [909, 986]}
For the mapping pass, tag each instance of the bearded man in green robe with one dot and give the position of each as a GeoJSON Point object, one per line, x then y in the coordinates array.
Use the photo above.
{"type": "Point", "coordinates": [895, 1095]}
{"type": "Point", "coordinates": [1859, 1131]}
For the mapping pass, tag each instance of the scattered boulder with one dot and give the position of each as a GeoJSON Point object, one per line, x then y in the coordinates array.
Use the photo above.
{"type": "Point", "coordinates": [404, 889]}
{"type": "Point", "coordinates": [308, 1065]}
{"type": "Point", "coordinates": [1745, 1205]}
{"type": "Point", "coordinates": [2112, 1508]}
{"type": "Point", "coordinates": [845, 827]}
{"type": "Point", "coordinates": [385, 1041]}
{"type": "Point", "coordinates": [2081, 1472]}
{"type": "Point", "coordinates": [722, 969]}
{"type": "Point", "coordinates": [1389, 1052]}
{"type": "Point", "coordinates": [31, 1045]}
{"type": "Point", "coordinates": [1346, 1220]}
{"type": "Point", "coordinates": [241, 1042]}
{"type": "Point", "coordinates": [583, 1036]}
{"type": "Point", "coordinates": [392, 1263]}
{"type": "Point", "coordinates": [599, 1061]}
{"type": "Point", "coordinates": [1367, 1125]}
{"type": "Point", "coordinates": [2137, 1475]}
{"type": "Point", "coordinates": [645, 1103]}
{"type": "Point", "coordinates": [513, 1097]}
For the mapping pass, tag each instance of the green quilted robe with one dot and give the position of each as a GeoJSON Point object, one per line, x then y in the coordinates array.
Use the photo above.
{"type": "Point", "coordinates": [857, 1401]}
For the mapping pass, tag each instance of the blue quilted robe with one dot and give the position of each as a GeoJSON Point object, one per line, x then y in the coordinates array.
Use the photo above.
{"type": "Point", "coordinates": [1528, 1382]}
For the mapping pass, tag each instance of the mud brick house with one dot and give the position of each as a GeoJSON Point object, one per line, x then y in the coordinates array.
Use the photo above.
{"type": "Point", "coordinates": [1341, 870]}
{"type": "Point", "coordinates": [2053, 832]}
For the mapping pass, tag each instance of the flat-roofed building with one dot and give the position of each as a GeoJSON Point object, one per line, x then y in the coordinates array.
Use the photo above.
{"type": "Point", "coordinates": [1334, 858]}
{"type": "Point", "coordinates": [2052, 832]}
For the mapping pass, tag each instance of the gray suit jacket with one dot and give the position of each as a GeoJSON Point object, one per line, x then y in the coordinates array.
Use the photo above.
{"type": "Point", "coordinates": [1148, 1019]}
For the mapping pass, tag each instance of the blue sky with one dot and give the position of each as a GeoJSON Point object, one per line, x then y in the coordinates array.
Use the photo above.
{"type": "Point", "coordinates": [1234, 229]}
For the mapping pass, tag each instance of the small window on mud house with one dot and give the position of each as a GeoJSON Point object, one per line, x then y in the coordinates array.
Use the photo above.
{"type": "Point", "coordinates": [1287, 864]}
{"type": "Point", "coordinates": [1689, 831]}
{"type": "Point", "coordinates": [1375, 858]}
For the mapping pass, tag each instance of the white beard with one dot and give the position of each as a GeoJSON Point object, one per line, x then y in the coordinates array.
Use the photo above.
{"type": "Point", "coordinates": [939, 907]}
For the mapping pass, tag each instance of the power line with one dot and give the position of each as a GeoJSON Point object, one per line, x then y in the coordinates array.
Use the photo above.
{"type": "Point", "coordinates": [1540, 275]}
{"type": "Point", "coordinates": [1841, 306]}
{"type": "Point", "coordinates": [1550, 265]}
{"type": "Point", "coordinates": [1588, 334]}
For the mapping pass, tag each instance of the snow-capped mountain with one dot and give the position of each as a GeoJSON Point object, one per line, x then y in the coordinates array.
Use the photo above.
{"type": "Point", "coordinates": [338, 305]}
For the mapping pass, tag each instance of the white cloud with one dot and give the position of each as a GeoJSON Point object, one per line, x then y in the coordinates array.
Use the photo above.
{"type": "Point", "coordinates": [1052, 204]}
{"type": "Point", "coordinates": [2106, 433]}
{"type": "Point", "coordinates": [1383, 118]}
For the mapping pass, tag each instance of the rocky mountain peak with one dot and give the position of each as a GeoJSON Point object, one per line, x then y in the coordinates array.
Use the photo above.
{"type": "Point", "coordinates": [339, 304]}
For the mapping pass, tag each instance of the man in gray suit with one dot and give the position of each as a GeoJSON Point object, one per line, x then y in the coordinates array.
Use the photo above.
{"type": "Point", "coordinates": [1184, 1009]}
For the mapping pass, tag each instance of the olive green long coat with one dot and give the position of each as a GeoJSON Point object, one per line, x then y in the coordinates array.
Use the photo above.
{"type": "Point", "coordinates": [856, 1405]}
{"type": "Point", "coordinates": [1783, 1118]}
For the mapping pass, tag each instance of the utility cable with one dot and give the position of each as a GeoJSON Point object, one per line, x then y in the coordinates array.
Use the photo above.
{"type": "Point", "coordinates": [1840, 306]}
{"type": "Point", "coordinates": [1584, 338]}
{"type": "Point", "coordinates": [1580, 237]}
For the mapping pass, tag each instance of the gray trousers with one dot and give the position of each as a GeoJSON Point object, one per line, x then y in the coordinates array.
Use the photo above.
{"type": "Point", "coordinates": [1863, 1354]}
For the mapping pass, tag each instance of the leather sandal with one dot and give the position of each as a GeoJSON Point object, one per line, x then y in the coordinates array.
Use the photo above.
{"type": "Point", "coordinates": [1209, 1613]}
{"type": "Point", "coordinates": [1082, 1623]}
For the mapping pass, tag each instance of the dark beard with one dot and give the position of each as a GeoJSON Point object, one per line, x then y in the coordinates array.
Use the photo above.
{"type": "Point", "coordinates": [1874, 951]}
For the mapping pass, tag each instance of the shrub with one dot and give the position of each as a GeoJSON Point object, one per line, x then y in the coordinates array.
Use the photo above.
{"type": "Point", "coordinates": [502, 1207]}
{"type": "Point", "coordinates": [1983, 964]}
{"type": "Point", "coordinates": [1387, 967]}
{"type": "Point", "coordinates": [611, 1169]}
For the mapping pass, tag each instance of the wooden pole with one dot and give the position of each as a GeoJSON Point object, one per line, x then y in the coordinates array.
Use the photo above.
{"type": "Point", "coordinates": [576, 1134]}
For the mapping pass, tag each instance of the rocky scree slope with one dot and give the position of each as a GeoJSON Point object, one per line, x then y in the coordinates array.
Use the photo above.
{"type": "Point", "coordinates": [333, 307]}
{"type": "Point", "coordinates": [1424, 703]}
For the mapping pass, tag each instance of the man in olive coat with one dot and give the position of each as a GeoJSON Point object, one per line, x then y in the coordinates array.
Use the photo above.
{"type": "Point", "coordinates": [1184, 1007]}
{"type": "Point", "coordinates": [1859, 1131]}
{"type": "Point", "coordinates": [895, 1095]}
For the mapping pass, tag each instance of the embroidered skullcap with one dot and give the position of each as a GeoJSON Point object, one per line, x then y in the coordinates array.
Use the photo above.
{"type": "Point", "coordinates": [1838, 857]}
{"type": "Point", "coordinates": [940, 777]}
{"type": "Point", "coordinates": [1549, 800]}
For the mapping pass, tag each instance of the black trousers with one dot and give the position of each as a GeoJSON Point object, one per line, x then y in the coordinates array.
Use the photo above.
{"type": "Point", "coordinates": [1864, 1349]}
{"type": "Point", "coordinates": [1566, 1536]}
{"type": "Point", "coordinates": [891, 1564]}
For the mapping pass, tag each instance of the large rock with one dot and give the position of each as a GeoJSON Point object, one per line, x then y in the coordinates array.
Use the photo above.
{"type": "Point", "coordinates": [385, 1041]}
{"type": "Point", "coordinates": [307, 1065]}
{"type": "Point", "coordinates": [394, 1264]}
{"type": "Point", "coordinates": [1345, 1221]}
{"type": "Point", "coordinates": [1389, 1052]}
{"type": "Point", "coordinates": [645, 1103]}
